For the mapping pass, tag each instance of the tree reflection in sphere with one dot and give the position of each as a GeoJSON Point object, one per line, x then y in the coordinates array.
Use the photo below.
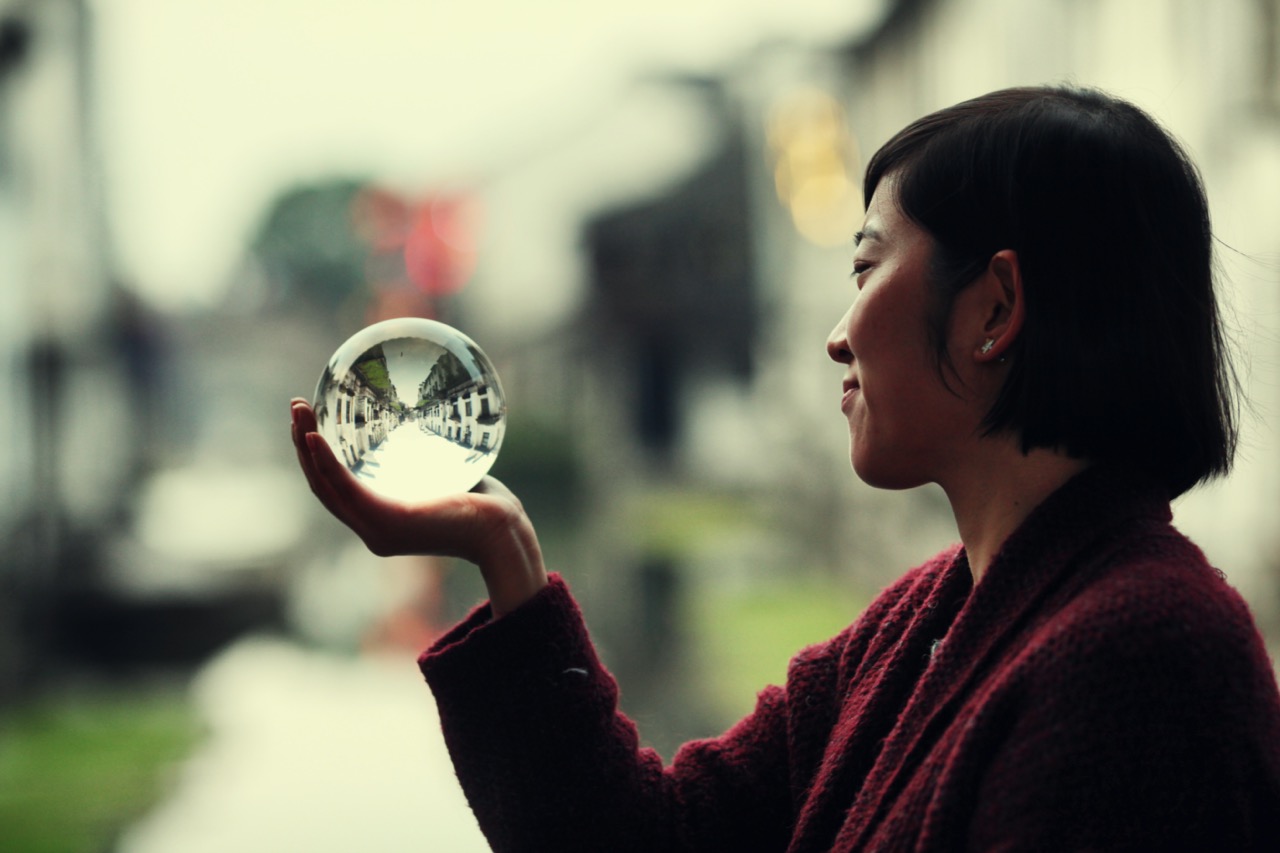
{"type": "Point", "coordinates": [413, 407]}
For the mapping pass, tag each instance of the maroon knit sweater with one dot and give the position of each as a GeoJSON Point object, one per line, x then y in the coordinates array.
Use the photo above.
{"type": "Point", "coordinates": [1102, 688]}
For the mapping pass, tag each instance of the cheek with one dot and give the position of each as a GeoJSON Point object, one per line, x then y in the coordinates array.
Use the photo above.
{"type": "Point", "coordinates": [877, 333]}
{"type": "Point", "coordinates": [861, 326]}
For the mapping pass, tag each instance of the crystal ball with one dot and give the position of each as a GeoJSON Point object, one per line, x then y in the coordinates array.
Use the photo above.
{"type": "Point", "coordinates": [414, 409]}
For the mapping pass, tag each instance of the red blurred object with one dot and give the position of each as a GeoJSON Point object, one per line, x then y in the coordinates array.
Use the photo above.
{"type": "Point", "coordinates": [440, 247]}
{"type": "Point", "coordinates": [419, 251]}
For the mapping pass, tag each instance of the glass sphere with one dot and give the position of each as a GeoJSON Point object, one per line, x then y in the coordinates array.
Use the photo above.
{"type": "Point", "coordinates": [414, 409]}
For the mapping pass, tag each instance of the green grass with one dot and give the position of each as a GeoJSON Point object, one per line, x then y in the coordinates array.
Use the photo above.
{"type": "Point", "coordinates": [748, 636]}
{"type": "Point", "coordinates": [682, 522]}
{"type": "Point", "coordinates": [75, 769]}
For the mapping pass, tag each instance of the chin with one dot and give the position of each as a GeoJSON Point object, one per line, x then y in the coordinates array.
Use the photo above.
{"type": "Point", "coordinates": [885, 477]}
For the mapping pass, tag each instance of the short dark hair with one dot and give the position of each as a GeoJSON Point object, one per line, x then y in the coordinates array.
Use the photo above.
{"type": "Point", "coordinates": [1122, 356]}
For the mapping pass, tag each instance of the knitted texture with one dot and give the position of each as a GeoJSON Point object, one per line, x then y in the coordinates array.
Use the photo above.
{"type": "Point", "coordinates": [1102, 688]}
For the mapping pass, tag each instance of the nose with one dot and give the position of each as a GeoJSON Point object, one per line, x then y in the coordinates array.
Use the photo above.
{"type": "Point", "coordinates": [838, 342]}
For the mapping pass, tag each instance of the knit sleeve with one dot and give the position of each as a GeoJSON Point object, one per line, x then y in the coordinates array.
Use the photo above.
{"type": "Point", "coordinates": [1149, 721]}
{"type": "Point", "coordinates": [548, 762]}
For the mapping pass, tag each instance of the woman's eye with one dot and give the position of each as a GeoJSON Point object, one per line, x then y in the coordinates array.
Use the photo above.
{"type": "Point", "coordinates": [859, 267]}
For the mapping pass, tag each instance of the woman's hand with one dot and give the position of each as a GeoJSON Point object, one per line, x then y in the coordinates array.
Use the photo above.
{"type": "Point", "coordinates": [486, 526]}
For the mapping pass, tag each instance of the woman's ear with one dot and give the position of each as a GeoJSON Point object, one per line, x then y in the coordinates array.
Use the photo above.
{"type": "Point", "coordinates": [998, 298]}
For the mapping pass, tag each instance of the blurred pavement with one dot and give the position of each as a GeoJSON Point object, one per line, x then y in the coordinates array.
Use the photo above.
{"type": "Point", "coordinates": [311, 751]}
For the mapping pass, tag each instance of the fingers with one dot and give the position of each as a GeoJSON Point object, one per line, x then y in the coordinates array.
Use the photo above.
{"type": "Point", "coordinates": [470, 526]}
{"type": "Point", "coordinates": [303, 414]}
{"type": "Point", "coordinates": [320, 463]}
{"type": "Point", "coordinates": [296, 433]}
{"type": "Point", "coordinates": [494, 487]}
{"type": "Point", "coordinates": [343, 494]}
{"type": "Point", "coordinates": [325, 474]}
{"type": "Point", "coordinates": [303, 423]}
{"type": "Point", "coordinates": [346, 499]}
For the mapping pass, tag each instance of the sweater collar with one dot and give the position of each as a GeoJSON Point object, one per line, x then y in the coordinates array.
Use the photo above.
{"type": "Point", "coordinates": [1084, 513]}
{"type": "Point", "coordinates": [1088, 506]}
{"type": "Point", "coordinates": [1075, 525]}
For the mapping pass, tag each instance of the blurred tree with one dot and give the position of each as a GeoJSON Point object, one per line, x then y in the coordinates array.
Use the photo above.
{"type": "Point", "coordinates": [307, 246]}
{"type": "Point", "coordinates": [344, 246]}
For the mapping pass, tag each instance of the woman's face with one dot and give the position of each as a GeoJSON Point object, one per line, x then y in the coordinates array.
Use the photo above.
{"type": "Point", "coordinates": [904, 423]}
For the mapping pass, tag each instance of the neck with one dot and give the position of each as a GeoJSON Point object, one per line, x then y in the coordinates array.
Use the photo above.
{"type": "Point", "coordinates": [994, 500]}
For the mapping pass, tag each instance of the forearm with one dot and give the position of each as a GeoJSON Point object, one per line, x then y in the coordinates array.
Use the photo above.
{"type": "Point", "coordinates": [531, 719]}
{"type": "Point", "coordinates": [529, 715]}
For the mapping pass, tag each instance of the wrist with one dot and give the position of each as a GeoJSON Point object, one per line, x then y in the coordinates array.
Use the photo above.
{"type": "Point", "coordinates": [512, 567]}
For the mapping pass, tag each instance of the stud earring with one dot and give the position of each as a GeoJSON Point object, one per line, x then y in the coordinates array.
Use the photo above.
{"type": "Point", "coordinates": [987, 345]}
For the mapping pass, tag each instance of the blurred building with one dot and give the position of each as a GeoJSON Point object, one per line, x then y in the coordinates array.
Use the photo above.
{"type": "Point", "coordinates": [803, 120]}
{"type": "Point", "coordinates": [74, 351]}
{"type": "Point", "coordinates": [655, 289]}
{"type": "Point", "coordinates": [698, 353]}
{"type": "Point", "coordinates": [1209, 73]}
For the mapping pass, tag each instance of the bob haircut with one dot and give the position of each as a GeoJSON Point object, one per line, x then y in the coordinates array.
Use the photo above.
{"type": "Point", "coordinates": [1121, 358]}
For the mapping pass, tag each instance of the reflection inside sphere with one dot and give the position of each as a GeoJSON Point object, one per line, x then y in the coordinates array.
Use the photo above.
{"type": "Point", "coordinates": [413, 407]}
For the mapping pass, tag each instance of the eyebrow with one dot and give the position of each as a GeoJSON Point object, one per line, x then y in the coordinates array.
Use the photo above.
{"type": "Point", "coordinates": [865, 234]}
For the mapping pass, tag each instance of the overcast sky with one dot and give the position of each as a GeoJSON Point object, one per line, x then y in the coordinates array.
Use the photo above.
{"type": "Point", "coordinates": [207, 110]}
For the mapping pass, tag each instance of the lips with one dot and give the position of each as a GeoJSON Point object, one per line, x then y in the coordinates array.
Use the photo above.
{"type": "Point", "coordinates": [850, 387]}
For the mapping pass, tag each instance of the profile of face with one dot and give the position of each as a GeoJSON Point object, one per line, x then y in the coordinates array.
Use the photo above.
{"type": "Point", "coordinates": [906, 424]}
{"type": "Point", "coordinates": [1119, 356]}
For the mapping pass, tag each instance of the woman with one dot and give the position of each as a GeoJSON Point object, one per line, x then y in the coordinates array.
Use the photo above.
{"type": "Point", "coordinates": [1036, 331]}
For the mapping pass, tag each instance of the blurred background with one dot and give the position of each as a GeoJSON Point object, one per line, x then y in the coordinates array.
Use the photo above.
{"type": "Point", "coordinates": [642, 212]}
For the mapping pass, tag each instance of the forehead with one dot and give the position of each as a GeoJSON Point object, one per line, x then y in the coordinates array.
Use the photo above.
{"type": "Point", "coordinates": [882, 209]}
{"type": "Point", "coordinates": [885, 221]}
